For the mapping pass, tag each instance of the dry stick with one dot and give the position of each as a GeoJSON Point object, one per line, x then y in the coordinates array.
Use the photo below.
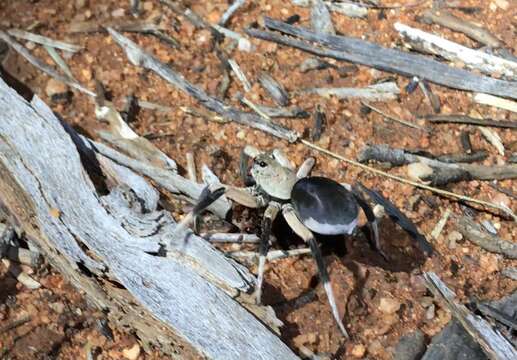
{"type": "Point", "coordinates": [494, 345]}
{"type": "Point", "coordinates": [489, 242]}
{"type": "Point", "coordinates": [129, 26]}
{"type": "Point", "coordinates": [139, 58]}
{"type": "Point", "coordinates": [43, 40]}
{"type": "Point", "coordinates": [410, 182]}
{"type": "Point", "coordinates": [389, 117]}
{"type": "Point", "coordinates": [377, 92]}
{"type": "Point", "coordinates": [230, 11]}
{"type": "Point", "coordinates": [399, 157]}
{"type": "Point", "coordinates": [450, 21]}
{"type": "Point", "coordinates": [59, 62]}
{"type": "Point", "coordinates": [191, 167]}
{"type": "Point", "coordinates": [463, 119]}
{"type": "Point", "coordinates": [491, 100]}
{"type": "Point", "coordinates": [370, 54]}
{"type": "Point", "coordinates": [474, 59]}
{"type": "Point", "coordinates": [42, 66]}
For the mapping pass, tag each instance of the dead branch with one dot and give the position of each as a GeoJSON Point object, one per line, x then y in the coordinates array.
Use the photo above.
{"type": "Point", "coordinates": [463, 119]}
{"type": "Point", "coordinates": [399, 157]}
{"type": "Point", "coordinates": [452, 22]}
{"type": "Point", "coordinates": [494, 345]}
{"type": "Point", "coordinates": [474, 59]}
{"type": "Point", "coordinates": [489, 242]}
{"type": "Point", "coordinates": [366, 53]}
{"type": "Point", "coordinates": [170, 303]}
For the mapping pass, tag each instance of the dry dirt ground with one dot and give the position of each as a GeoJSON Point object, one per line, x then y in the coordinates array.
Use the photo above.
{"type": "Point", "coordinates": [62, 325]}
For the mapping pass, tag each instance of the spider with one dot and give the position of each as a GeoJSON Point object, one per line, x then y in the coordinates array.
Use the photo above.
{"type": "Point", "coordinates": [308, 204]}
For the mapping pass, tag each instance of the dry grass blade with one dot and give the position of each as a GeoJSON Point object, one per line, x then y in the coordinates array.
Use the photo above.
{"type": "Point", "coordinates": [43, 40]}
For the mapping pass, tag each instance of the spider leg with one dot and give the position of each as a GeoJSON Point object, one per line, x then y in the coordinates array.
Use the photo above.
{"type": "Point", "coordinates": [372, 221]}
{"type": "Point", "coordinates": [305, 168]}
{"type": "Point", "coordinates": [302, 231]}
{"type": "Point", "coordinates": [269, 216]}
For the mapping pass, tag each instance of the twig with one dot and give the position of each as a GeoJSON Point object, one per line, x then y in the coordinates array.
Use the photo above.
{"type": "Point", "coordinates": [42, 66]}
{"type": "Point", "coordinates": [231, 238]}
{"type": "Point", "coordinates": [437, 230]}
{"type": "Point", "coordinates": [59, 62]}
{"type": "Point", "coordinates": [271, 255]}
{"type": "Point", "coordinates": [489, 242]}
{"type": "Point", "coordinates": [433, 99]}
{"type": "Point", "coordinates": [244, 44]}
{"type": "Point", "coordinates": [377, 92]}
{"type": "Point", "coordinates": [498, 315]}
{"type": "Point", "coordinates": [139, 58]}
{"type": "Point", "coordinates": [232, 9]}
{"type": "Point", "coordinates": [240, 75]}
{"type": "Point", "coordinates": [287, 112]}
{"type": "Point", "coordinates": [463, 119]}
{"type": "Point", "coordinates": [450, 21]}
{"type": "Point", "coordinates": [493, 344]}
{"type": "Point", "coordinates": [274, 89]}
{"type": "Point", "coordinates": [125, 25]}
{"type": "Point", "coordinates": [43, 40]}
{"type": "Point", "coordinates": [153, 106]}
{"type": "Point", "coordinates": [398, 157]}
{"type": "Point", "coordinates": [255, 108]}
{"type": "Point", "coordinates": [349, 9]}
{"type": "Point", "coordinates": [486, 99]}
{"type": "Point", "coordinates": [493, 138]}
{"type": "Point", "coordinates": [445, 193]}
{"type": "Point", "coordinates": [191, 166]}
{"type": "Point", "coordinates": [392, 60]}
{"type": "Point", "coordinates": [389, 117]}
{"type": "Point", "coordinates": [474, 59]}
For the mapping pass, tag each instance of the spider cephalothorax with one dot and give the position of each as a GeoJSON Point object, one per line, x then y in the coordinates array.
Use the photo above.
{"type": "Point", "coordinates": [308, 204]}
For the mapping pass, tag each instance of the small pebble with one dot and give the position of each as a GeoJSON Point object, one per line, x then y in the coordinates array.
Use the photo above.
{"type": "Point", "coordinates": [358, 351]}
{"type": "Point", "coordinates": [430, 313]}
{"type": "Point", "coordinates": [131, 353]}
{"type": "Point", "coordinates": [389, 305]}
{"type": "Point", "coordinates": [118, 13]}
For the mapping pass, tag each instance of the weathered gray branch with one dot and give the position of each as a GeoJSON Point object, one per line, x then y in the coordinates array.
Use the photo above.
{"type": "Point", "coordinates": [366, 53]}
{"type": "Point", "coordinates": [494, 345]}
{"type": "Point", "coordinates": [168, 302]}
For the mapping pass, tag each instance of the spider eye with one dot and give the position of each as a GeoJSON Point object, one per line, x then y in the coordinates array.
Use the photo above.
{"type": "Point", "coordinates": [262, 164]}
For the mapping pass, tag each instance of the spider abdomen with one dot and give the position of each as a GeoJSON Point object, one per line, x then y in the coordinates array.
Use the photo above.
{"type": "Point", "coordinates": [325, 206]}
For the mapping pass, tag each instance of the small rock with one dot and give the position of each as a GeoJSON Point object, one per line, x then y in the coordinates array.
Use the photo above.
{"type": "Point", "coordinates": [410, 346]}
{"type": "Point", "coordinates": [79, 4]}
{"type": "Point", "coordinates": [358, 351]}
{"type": "Point", "coordinates": [148, 5]}
{"type": "Point", "coordinates": [118, 13]}
{"type": "Point", "coordinates": [503, 4]}
{"type": "Point", "coordinates": [131, 353]}
{"type": "Point", "coordinates": [30, 45]}
{"type": "Point", "coordinates": [57, 91]}
{"type": "Point", "coordinates": [430, 313]}
{"type": "Point", "coordinates": [57, 307]}
{"type": "Point", "coordinates": [389, 305]}
{"type": "Point", "coordinates": [489, 263]}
